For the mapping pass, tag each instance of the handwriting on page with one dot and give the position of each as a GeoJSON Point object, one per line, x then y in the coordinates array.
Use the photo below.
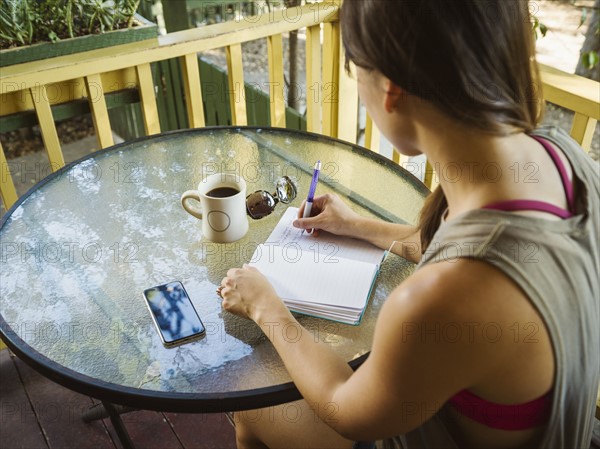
{"type": "Point", "coordinates": [290, 234]}
{"type": "Point", "coordinates": [330, 246]}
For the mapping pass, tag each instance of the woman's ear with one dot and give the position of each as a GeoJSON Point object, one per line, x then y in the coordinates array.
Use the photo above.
{"type": "Point", "coordinates": [392, 96]}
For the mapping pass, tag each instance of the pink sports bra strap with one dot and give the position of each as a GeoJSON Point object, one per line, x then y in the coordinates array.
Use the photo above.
{"type": "Point", "coordinates": [503, 416]}
{"type": "Point", "coordinates": [542, 206]}
{"type": "Point", "coordinates": [567, 184]}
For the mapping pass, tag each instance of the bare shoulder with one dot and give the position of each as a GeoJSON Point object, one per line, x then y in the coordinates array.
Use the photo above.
{"type": "Point", "coordinates": [441, 331]}
{"type": "Point", "coordinates": [462, 289]}
{"type": "Point", "coordinates": [422, 353]}
{"type": "Point", "coordinates": [470, 312]}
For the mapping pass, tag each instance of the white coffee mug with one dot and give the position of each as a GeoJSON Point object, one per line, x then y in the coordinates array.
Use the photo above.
{"type": "Point", "coordinates": [222, 199]}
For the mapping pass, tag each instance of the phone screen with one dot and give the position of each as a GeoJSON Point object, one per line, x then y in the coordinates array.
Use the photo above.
{"type": "Point", "coordinates": [173, 313]}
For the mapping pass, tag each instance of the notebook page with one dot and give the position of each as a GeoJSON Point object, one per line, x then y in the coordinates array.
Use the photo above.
{"type": "Point", "coordinates": [345, 283]}
{"type": "Point", "coordinates": [332, 247]}
{"type": "Point", "coordinates": [346, 318]}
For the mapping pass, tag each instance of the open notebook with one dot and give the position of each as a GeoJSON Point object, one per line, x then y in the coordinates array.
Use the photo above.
{"type": "Point", "coordinates": [326, 276]}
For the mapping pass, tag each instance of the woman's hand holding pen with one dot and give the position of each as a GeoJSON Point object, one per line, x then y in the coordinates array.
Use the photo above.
{"type": "Point", "coordinates": [330, 214]}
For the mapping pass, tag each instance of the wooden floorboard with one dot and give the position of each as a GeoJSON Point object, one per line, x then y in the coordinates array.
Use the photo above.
{"type": "Point", "coordinates": [19, 427]}
{"type": "Point", "coordinates": [209, 431]}
{"type": "Point", "coordinates": [59, 412]}
{"type": "Point", "coordinates": [36, 413]}
{"type": "Point", "coordinates": [150, 430]}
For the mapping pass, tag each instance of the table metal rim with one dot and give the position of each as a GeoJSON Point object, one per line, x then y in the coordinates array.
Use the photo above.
{"type": "Point", "coordinates": [158, 400]}
{"type": "Point", "coordinates": [417, 183]}
{"type": "Point", "coordinates": [152, 399]}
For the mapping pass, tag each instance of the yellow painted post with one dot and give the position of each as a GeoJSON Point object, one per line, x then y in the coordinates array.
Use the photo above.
{"type": "Point", "coordinates": [95, 94]}
{"type": "Point", "coordinates": [348, 103]}
{"type": "Point", "coordinates": [2, 345]}
{"type": "Point", "coordinates": [193, 90]}
{"type": "Point", "coordinates": [149, 108]}
{"type": "Point", "coordinates": [313, 79]}
{"type": "Point", "coordinates": [430, 179]}
{"type": "Point", "coordinates": [276, 100]}
{"type": "Point", "coordinates": [39, 97]}
{"type": "Point", "coordinates": [372, 135]}
{"type": "Point", "coordinates": [237, 100]}
{"type": "Point", "coordinates": [398, 158]}
{"type": "Point", "coordinates": [583, 129]}
{"type": "Point", "coordinates": [330, 88]}
{"type": "Point", "coordinates": [7, 188]}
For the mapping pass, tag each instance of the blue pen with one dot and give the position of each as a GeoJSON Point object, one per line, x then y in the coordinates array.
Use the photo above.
{"type": "Point", "coordinates": [311, 192]}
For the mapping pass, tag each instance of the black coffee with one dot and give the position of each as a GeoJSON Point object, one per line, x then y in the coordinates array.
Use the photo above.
{"type": "Point", "coordinates": [222, 192]}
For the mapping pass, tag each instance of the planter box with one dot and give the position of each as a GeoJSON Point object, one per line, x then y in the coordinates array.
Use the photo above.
{"type": "Point", "coordinates": [142, 31]}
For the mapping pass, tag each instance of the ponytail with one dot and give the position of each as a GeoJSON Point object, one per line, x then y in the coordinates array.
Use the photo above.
{"type": "Point", "coordinates": [431, 216]}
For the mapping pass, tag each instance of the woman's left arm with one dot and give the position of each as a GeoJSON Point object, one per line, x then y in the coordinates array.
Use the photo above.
{"type": "Point", "coordinates": [316, 369]}
{"type": "Point", "coordinates": [399, 386]}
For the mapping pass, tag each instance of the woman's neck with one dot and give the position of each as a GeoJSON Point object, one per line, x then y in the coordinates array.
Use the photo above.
{"type": "Point", "coordinates": [470, 165]}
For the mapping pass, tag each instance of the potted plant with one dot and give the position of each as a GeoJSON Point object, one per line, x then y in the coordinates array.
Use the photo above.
{"type": "Point", "coordinates": [39, 29]}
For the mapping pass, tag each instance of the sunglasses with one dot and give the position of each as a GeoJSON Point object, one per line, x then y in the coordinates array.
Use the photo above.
{"type": "Point", "coordinates": [261, 203]}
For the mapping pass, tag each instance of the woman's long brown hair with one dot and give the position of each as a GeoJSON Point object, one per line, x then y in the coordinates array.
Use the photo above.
{"type": "Point", "coordinates": [473, 59]}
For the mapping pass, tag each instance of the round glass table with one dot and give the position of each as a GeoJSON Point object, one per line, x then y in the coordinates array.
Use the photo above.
{"type": "Point", "coordinates": [78, 250]}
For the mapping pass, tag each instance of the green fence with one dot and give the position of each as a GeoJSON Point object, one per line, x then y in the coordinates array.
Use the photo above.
{"type": "Point", "coordinates": [127, 119]}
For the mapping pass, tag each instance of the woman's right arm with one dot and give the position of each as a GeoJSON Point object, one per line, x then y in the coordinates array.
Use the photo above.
{"type": "Point", "coordinates": [383, 234]}
{"type": "Point", "coordinates": [331, 214]}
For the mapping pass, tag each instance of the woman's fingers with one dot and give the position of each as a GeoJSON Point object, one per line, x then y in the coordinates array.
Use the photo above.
{"type": "Point", "coordinates": [305, 223]}
{"type": "Point", "coordinates": [301, 210]}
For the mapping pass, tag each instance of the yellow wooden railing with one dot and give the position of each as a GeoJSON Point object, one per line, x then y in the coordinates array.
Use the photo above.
{"type": "Point", "coordinates": [38, 85]}
{"type": "Point", "coordinates": [580, 95]}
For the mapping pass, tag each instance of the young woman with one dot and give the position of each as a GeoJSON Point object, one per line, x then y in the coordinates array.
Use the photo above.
{"type": "Point", "coordinates": [512, 260]}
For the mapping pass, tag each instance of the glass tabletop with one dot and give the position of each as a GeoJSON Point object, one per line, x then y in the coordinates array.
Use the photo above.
{"type": "Point", "coordinates": [77, 252]}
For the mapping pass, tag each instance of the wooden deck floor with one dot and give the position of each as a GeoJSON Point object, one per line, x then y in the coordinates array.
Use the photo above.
{"type": "Point", "coordinates": [37, 413]}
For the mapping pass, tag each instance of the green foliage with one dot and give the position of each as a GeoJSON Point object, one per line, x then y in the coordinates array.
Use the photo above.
{"type": "Point", "coordinates": [590, 59]}
{"type": "Point", "coordinates": [24, 22]}
{"type": "Point", "coordinates": [583, 17]}
{"type": "Point", "coordinates": [539, 29]}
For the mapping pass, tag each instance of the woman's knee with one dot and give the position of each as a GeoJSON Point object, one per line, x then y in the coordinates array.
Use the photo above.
{"type": "Point", "coordinates": [245, 431]}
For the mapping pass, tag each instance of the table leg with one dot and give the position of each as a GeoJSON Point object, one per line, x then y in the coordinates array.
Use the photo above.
{"type": "Point", "coordinates": [117, 423]}
{"type": "Point", "coordinates": [98, 411]}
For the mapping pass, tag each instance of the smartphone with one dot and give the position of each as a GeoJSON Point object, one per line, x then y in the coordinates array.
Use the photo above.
{"type": "Point", "coordinates": [173, 314]}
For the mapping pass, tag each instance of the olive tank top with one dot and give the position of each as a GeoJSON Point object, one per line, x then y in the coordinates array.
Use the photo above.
{"type": "Point", "coordinates": [556, 263]}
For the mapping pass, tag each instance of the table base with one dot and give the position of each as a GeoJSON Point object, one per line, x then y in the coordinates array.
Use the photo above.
{"type": "Point", "coordinates": [112, 411]}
